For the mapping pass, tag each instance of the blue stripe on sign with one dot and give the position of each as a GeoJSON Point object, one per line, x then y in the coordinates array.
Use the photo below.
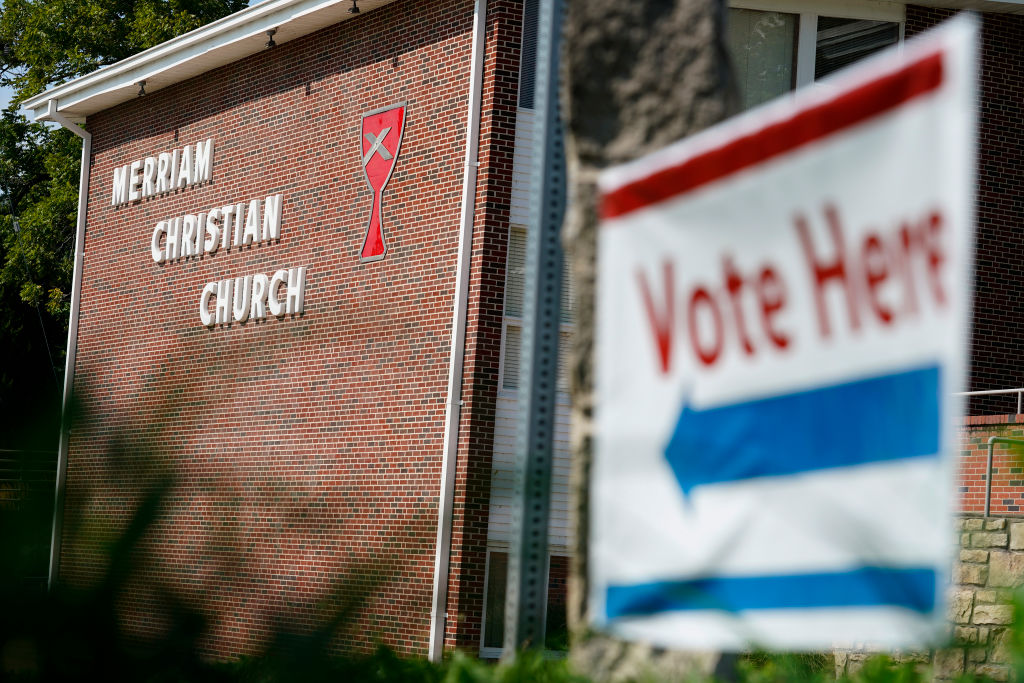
{"type": "Point", "coordinates": [871, 420]}
{"type": "Point", "coordinates": [911, 588]}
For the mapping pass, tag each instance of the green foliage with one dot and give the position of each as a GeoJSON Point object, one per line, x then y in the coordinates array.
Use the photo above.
{"type": "Point", "coordinates": [44, 43]}
{"type": "Point", "coordinates": [38, 208]}
{"type": "Point", "coordinates": [881, 669]}
{"type": "Point", "coordinates": [527, 667]}
{"type": "Point", "coordinates": [77, 635]}
{"type": "Point", "coordinates": [1016, 639]}
{"type": "Point", "coordinates": [39, 180]}
{"type": "Point", "coordinates": [385, 665]}
{"type": "Point", "coordinates": [763, 667]}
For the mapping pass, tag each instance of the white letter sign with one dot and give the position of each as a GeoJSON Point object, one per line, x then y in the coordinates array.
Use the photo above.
{"type": "Point", "coordinates": [783, 306]}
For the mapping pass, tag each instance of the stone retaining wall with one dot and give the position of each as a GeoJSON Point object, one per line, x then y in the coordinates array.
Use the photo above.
{"type": "Point", "coordinates": [989, 568]}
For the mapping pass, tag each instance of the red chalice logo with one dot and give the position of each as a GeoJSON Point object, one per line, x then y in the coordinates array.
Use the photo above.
{"type": "Point", "coordinates": [381, 137]}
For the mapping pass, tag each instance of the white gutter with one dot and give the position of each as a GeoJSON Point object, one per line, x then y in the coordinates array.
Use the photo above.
{"type": "Point", "coordinates": [69, 365]}
{"type": "Point", "coordinates": [453, 404]}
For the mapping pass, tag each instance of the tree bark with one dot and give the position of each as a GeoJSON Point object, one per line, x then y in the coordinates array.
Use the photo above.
{"type": "Point", "coordinates": [638, 75]}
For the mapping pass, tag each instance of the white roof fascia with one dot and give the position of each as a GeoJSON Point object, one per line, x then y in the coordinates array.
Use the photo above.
{"type": "Point", "coordinates": [218, 43]}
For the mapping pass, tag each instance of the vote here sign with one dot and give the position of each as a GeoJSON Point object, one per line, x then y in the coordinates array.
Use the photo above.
{"type": "Point", "coordinates": [782, 316]}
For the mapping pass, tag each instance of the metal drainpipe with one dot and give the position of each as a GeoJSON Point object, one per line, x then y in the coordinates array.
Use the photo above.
{"type": "Point", "coordinates": [69, 364]}
{"type": "Point", "coordinates": [988, 467]}
{"type": "Point", "coordinates": [438, 616]}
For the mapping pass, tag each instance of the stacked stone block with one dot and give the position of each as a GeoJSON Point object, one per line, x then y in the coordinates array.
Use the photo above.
{"type": "Point", "coordinates": [989, 568]}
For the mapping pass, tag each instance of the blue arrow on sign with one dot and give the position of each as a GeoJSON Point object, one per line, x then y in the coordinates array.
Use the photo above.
{"type": "Point", "coordinates": [884, 418]}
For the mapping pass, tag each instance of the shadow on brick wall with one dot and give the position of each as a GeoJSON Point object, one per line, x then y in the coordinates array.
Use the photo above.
{"type": "Point", "coordinates": [119, 613]}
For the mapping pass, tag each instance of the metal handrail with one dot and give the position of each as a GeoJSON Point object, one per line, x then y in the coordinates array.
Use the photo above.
{"type": "Point", "coordinates": [990, 392]}
{"type": "Point", "coordinates": [988, 467]}
{"type": "Point", "coordinates": [995, 439]}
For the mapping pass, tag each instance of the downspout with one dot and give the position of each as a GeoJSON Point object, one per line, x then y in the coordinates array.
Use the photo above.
{"type": "Point", "coordinates": [69, 365]}
{"type": "Point", "coordinates": [453, 403]}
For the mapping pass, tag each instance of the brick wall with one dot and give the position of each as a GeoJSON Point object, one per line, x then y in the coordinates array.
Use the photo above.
{"type": "Point", "coordinates": [302, 453]}
{"type": "Point", "coordinates": [997, 338]}
{"type": "Point", "coordinates": [1007, 464]}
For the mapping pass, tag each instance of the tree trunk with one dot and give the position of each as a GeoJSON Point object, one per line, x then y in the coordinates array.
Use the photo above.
{"type": "Point", "coordinates": [638, 75]}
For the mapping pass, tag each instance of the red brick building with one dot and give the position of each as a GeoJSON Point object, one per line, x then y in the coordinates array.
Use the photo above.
{"type": "Point", "coordinates": [305, 450]}
{"type": "Point", "coordinates": [332, 414]}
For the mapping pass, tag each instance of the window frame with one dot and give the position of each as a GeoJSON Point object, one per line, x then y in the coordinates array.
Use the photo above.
{"type": "Point", "coordinates": [808, 11]}
{"type": "Point", "coordinates": [501, 547]}
{"type": "Point", "coordinates": [507, 320]}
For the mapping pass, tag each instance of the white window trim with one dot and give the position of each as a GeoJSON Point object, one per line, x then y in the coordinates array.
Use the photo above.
{"type": "Point", "coordinates": [806, 48]}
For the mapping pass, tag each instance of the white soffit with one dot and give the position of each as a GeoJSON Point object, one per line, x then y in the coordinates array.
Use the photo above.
{"type": "Point", "coordinates": [218, 43]}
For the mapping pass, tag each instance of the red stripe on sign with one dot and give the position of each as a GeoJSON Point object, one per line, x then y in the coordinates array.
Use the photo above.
{"type": "Point", "coordinates": [849, 109]}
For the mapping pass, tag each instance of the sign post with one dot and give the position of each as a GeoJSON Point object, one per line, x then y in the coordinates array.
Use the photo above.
{"type": "Point", "coordinates": [526, 595]}
{"type": "Point", "coordinates": [783, 309]}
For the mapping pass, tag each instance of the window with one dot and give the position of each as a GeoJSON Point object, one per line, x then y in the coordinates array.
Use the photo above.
{"type": "Point", "coordinates": [763, 50]}
{"type": "Point", "coordinates": [515, 276]}
{"type": "Point", "coordinates": [778, 47]}
{"type": "Point", "coordinates": [556, 628]}
{"type": "Point", "coordinates": [844, 41]}
{"type": "Point", "coordinates": [528, 54]}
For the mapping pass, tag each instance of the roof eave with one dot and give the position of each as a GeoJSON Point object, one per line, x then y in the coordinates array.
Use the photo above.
{"type": "Point", "coordinates": [216, 44]}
